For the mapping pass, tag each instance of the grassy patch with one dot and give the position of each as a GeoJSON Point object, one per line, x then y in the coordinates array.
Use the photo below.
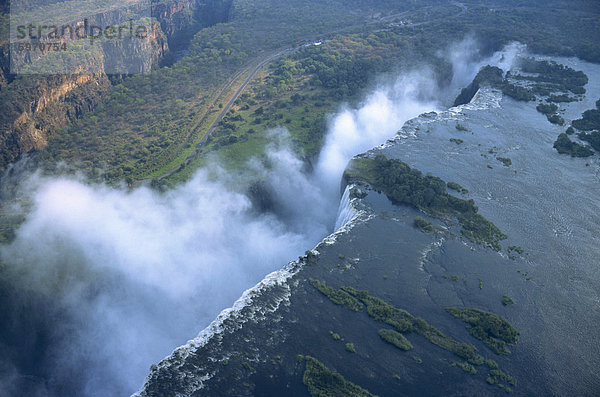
{"type": "Point", "coordinates": [339, 297]}
{"type": "Point", "coordinates": [424, 225]}
{"type": "Point", "coordinates": [395, 338]}
{"type": "Point", "coordinates": [407, 186]}
{"type": "Point", "coordinates": [516, 248]}
{"type": "Point", "coordinates": [507, 300]}
{"type": "Point", "coordinates": [457, 187]}
{"type": "Point", "coordinates": [323, 382]}
{"type": "Point", "coordinates": [494, 331]}
{"type": "Point", "coordinates": [491, 326]}
{"type": "Point", "coordinates": [350, 347]}
{"type": "Point", "coordinates": [505, 161]}
{"type": "Point", "coordinates": [564, 145]}
{"type": "Point", "coordinates": [465, 367]}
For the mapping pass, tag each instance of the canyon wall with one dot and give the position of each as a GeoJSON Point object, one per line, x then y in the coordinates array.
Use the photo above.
{"type": "Point", "coordinates": [35, 106]}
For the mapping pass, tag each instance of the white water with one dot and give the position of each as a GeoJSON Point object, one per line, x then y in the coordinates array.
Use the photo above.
{"type": "Point", "coordinates": [346, 210]}
{"type": "Point", "coordinates": [170, 263]}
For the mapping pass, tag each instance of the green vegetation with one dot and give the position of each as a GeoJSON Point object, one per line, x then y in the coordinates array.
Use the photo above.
{"type": "Point", "coordinates": [593, 138]}
{"type": "Point", "coordinates": [550, 111]}
{"type": "Point", "coordinates": [350, 347]}
{"type": "Point", "coordinates": [546, 108]}
{"type": "Point", "coordinates": [405, 322]}
{"type": "Point", "coordinates": [247, 366]}
{"type": "Point", "coordinates": [507, 301]}
{"type": "Point", "coordinates": [146, 130]}
{"type": "Point", "coordinates": [547, 78]}
{"type": "Point", "coordinates": [559, 98]}
{"type": "Point", "coordinates": [457, 187]}
{"type": "Point", "coordinates": [559, 77]}
{"type": "Point", "coordinates": [517, 92]}
{"type": "Point", "coordinates": [381, 311]}
{"type": "Point", "coordinates": [516, 248]}
{"type": "Point", "coordinates": [491, 329]}
{"type": "Point", "coordinates": [564, 145]}
{"type": "Point", "coordinates": [395, 338]}
{"type": "Point", "coordinates": [465, 367]}
{"type": "Point", "coordinates": [406, 186]}
{"type": "Point", "coordinates": [461, 127]}
{"type": "Point", "coordinates": [335, 336]}
{"type": "Point", "coordinates": [496, 376]}
{"type": "Point", "coordinates": [478, 229]}
{"type": "Point", "coordinates": [424, 225]}
{"type": "Point", "coordinates": [456, 140]}
{"type": "Point", "coordinates": [485, 326]}
{"type": "Point", "coordinates": [339, 297]}
{"type": "Point", "coordinates": [590, 120]}
{"type": "Point", "coordinates": [491, 363]}
{"type": "Point", "coordinates": [555, 119]}
{"type": "Point", "coordinates": [505, 161]}
{"type": "Point", "coordinates": [322, 382]}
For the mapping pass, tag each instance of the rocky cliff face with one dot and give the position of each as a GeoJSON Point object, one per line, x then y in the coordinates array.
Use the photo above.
{"type": "Point", "coordinates": [35, 106]}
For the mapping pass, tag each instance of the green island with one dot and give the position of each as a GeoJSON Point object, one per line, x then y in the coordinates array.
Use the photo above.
{"type": "Point", "coordinates": [555, 119]}
{"type": "Point", "coordinates": [546, 79]}
{"type": "Point", "coordinates": [593, 138]}
{"type": "Point", "coordinates": [407, 186]}
{"type": "Point", "coordinates": [550, 111]}
{"type": "Point", "coordinates": [547, 108]}
{"type": "Point", "coordinates": [465, 367]}
{"type": "Point", "coordinates": [589, 125]}
{"type": "Point", "coordinates": [395, 338]}
{"type": "Point", "coordinates": [493, 76]}
{"type": "Point", "coordinates": [558, 78]}
{"type": "Point", "coordinates": [564, 145]}
{"type": "Point", "coordinates": [490, 328]}
{"type": "Point", "coordinates": [590, 119]}
{"type": "Point", "coordinates": [323, 382]}
{"type": "Point", "coordinates": [350, 347]}
{"type": "Point", "coordinates": [339, 297]}
{"type": "Point", "coordinates": [560, 98]}
{"type": "Point", "coordinates": [516, 248]}
{"type": "Point", "coordinates": [505, 161]}
{"type": "Point", "coordinates": [424, 225]}
{"type": "Point", "coordinates": [497, 376]}
{"type": "Point", "coordinates": [507, 300]}
{"type": "Point", "coordinates": [457, 187]}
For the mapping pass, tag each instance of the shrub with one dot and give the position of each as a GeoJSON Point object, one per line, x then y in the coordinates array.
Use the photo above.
{"type": "Point", "coordinates": [395, 338]}
{"type": "Point", "coordinates": [424, 225]}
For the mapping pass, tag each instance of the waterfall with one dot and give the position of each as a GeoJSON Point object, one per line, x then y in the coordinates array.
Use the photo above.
{"type": "Point", "coordinates": [345, 211]}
